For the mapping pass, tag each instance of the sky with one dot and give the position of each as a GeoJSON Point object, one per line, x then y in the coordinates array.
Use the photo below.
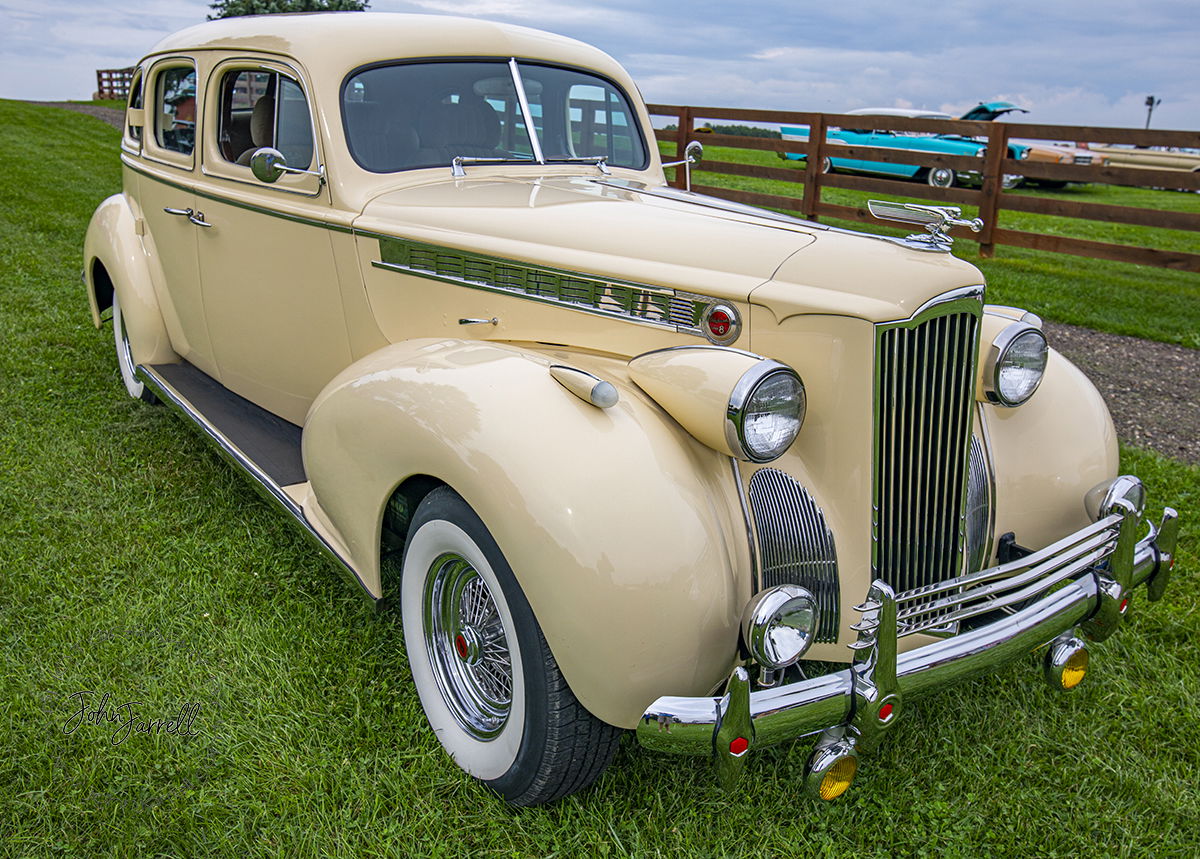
{"type": "Point", "coordinates": [1068, 62]}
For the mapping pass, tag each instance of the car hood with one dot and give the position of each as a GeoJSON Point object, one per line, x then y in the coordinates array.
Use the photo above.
{"type": "Point", "coordinates": [630, 231]}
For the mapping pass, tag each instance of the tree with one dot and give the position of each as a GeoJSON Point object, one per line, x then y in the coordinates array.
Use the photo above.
{"type": "Point", "coordinates": [236, 8]}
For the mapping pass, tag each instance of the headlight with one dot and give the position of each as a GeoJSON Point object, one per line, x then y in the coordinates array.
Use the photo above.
{"type": "Point", "coordinates": [1015, 365]}
{"type": "Point", "coordinates": [766, 410]}
{"type": "Point", "coordinates": [778, 625]}
{"type": "Point", "coordinates": [981, 153]}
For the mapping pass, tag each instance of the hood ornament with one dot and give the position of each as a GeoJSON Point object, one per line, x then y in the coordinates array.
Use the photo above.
{"type": "Point", "coordinates": [937, 220]}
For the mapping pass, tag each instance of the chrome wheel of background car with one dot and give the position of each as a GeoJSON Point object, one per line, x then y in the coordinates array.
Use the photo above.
{"type": "Point", "coordinates": [465, 638]}
{"type": "Point", "coordinates": [132, 383]}
{"type": "Point", "coordinates": [490, 687]}
{"type": "Point", "coordinates": [940, 177]}
{"type": "Point", "coordinates": [826, 164]}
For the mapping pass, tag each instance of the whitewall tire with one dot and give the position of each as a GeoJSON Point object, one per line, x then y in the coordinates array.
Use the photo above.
{"type": "Point", "coordinates": [487, 681]}
{"type": "Point", "coordinates": [133, 385]}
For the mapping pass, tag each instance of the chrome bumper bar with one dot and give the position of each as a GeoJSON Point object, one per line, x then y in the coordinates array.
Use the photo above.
{"type": "Point", "coordinates": [867, 696]}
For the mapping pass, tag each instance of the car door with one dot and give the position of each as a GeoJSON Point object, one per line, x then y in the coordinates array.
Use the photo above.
{"type": "Point", "coordinates": [165, 172]}
{"type": "Point", "coordinates": [271, 291]}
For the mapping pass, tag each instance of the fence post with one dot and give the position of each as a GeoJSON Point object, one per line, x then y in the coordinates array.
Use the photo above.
{"type": "Point", "coordinates": [812, 167]}
{"type": "Point", "coordinates": [989, 203]}
{"type": "Point", "coordinates": [682, 135]}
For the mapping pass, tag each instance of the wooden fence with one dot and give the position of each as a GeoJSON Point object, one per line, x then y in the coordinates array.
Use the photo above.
{"type": "Point", "coordinates": [988, 197]}
{"type": "Point", "coordinates": [113, 83]}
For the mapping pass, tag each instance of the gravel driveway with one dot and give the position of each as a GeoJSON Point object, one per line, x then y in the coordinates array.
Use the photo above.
{"type": "Point", "coordinates": [1152, 389]}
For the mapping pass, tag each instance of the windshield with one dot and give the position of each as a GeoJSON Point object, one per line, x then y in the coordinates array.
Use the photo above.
{"type": "Point", "coordinates": [412, 115]}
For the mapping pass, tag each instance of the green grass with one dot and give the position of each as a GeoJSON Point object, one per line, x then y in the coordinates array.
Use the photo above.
{"type": "Point", "coordinates": [114, 103]}
{"type": "Point", "coordinates": [136, 562]}
{"type": "Point", "coordinates": [1142, 301]}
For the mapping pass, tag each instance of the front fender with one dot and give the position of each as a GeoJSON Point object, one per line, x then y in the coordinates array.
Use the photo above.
{"type": "Point", "coordinates": [1048, 452]}
{"type": "Point", "coordinates": [623, 531]}
{"type": "Point", "coordinates": [113, 244]}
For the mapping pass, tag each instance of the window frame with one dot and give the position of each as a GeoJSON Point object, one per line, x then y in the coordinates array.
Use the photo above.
{"type": "Point", "coordinates": [635, 116]}
{"type": "Point", "coordinates": [132, 142]}
{"type": "Point", "coordinates": [150, 148]}
{"type": "Point", "coordinates": [215, 165]}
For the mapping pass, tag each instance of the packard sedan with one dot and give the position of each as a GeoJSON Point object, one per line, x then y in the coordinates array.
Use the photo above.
{"type": "Point", "coordinates": [628, 458]}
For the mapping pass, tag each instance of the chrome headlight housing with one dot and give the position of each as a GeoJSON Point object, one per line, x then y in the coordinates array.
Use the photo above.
{"type": "Point", "coordinates": [778, 625]}
{"type": "Point", "coordinates": [766, 410]}
{"type": "Point", "coordinates": [1015, 365]}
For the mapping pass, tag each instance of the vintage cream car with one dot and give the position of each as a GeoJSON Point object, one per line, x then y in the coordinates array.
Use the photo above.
{"type": "Point", "coordinates": [628, 457]}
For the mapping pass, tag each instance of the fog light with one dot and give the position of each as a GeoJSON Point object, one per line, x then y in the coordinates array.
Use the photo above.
{"type": "Point", "coordinates": [778, 625]}
{"type": "Point", "coordinates": [839, 778]}
{"type": "Point", "coordinates": [1066, 663]}
{"type": "Point", "coordinates": [831, 769]}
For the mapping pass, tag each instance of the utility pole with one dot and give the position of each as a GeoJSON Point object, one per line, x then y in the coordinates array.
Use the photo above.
{"type": "Point", "coordinates": [1151, 103]}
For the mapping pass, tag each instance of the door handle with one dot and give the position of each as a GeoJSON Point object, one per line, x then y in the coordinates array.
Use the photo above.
{"type": "Point", "coordinates": [187, 213]}
{"type": "Point", "coordinates": [197, 218]}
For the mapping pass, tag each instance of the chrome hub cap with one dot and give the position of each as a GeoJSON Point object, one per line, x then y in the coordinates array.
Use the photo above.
{"type": "Point", "coordinates": [467, 647]}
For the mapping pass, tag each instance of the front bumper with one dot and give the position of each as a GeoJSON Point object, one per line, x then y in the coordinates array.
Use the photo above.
{"type": "Point", "coordinates": [1081, 581]}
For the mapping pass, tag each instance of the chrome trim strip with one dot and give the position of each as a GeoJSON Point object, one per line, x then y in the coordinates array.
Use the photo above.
{"type": "Point", "coordinates": [250, 207]}
{"type": "Point", "coordinates": [661, 307]}
{"type": "Point", "coordinates": [526, 113]}
{"type": "Point", "coordinates": [701, 346]}
{"type": "Point", "coordinates": [687, 725]}
{"type": "Point", "coordinates": [259, 479]}
{"type": "Point", "coordinates": [755, 567]}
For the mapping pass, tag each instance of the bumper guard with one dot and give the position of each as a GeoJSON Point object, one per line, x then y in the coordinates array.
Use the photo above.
{"type": "Point", "coordinates": [1082, 581]}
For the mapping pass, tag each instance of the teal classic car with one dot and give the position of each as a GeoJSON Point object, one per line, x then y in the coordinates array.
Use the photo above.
{"type": "Point", "coordinates": [938, 177]}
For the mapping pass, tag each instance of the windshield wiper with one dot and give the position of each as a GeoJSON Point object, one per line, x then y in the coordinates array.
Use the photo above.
{"type": "Point", "coordinates": [600, 161]}
{"type": "Point", "coordinates": [457, 162]}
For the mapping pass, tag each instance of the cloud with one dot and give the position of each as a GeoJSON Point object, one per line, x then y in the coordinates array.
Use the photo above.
{"type": "Point", "coordinates": [1071, 61]}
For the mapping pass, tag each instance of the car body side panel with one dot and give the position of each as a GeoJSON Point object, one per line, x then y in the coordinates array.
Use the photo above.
{"type": "Point", "coordinates": [113, 240]}
{"type": "Point", "coordinates": [624, 532]}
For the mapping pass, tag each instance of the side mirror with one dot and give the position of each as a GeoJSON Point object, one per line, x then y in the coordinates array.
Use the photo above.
{"type": "Point", "coordinates": [268, 164]}
{"type": "Point", "coordinates": [694, 152]}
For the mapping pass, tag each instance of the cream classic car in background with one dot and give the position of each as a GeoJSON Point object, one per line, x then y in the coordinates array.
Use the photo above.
{"type": "Point", "coordinates": [627, 456]}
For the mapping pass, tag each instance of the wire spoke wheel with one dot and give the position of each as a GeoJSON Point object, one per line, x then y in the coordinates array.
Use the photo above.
{"type": "Point", "coordinates": [490, 687]}
{"type": "Point", "coordinates": [465, 639]}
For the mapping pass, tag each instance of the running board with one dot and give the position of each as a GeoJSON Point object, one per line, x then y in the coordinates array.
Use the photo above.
{"type": "Point", "coordinates": [235, 425]}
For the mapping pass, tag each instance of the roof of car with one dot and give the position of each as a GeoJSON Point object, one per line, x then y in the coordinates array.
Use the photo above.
{"type": "Point", "coordinates": [350, 39]}
{"type": "Point", "coordinates": [898, 111]}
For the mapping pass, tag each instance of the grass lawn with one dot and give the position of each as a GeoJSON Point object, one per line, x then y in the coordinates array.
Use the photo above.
{"type": "Point", "coordinates": [135, 562]}
{"type": "Point", "coordinates": [1159, 304]}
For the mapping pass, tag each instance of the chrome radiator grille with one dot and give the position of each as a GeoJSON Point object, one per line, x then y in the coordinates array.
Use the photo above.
{"type": "Point", "coordinates": [925, 385]}
{"type": "Point", "coordinates": [795, 543]}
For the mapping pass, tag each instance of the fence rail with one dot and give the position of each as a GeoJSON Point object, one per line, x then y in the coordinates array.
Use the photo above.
{"type": "Point", "coordinates": [988, 197]}
{"type": "Point", "coordinates": [113, 83]}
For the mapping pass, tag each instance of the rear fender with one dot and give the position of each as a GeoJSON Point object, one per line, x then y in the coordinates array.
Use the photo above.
{"type": "Point", "coordinates": [115, 261]}
{"type": "Point", "coordinates": [624, 532]}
